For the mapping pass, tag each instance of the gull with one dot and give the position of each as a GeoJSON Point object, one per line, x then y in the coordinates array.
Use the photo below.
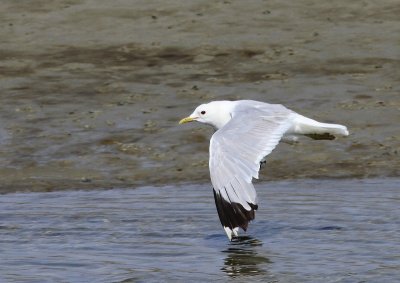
{"type": "Point", "coordinates": [246, 132]}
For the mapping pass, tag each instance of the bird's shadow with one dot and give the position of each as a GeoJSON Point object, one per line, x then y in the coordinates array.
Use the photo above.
{"type": "Point", "coordinates": [244, 257]}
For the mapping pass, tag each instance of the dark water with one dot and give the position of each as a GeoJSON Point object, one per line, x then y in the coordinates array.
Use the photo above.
{"type": "Point", "coordinates": [305, 231]}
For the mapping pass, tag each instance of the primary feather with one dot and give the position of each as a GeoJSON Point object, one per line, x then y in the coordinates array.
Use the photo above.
{"type": "Point", "coordinates": [246, 132]}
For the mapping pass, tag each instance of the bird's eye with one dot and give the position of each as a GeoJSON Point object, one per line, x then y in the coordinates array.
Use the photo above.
{"type": "Point", "coordinates": [203, 112]}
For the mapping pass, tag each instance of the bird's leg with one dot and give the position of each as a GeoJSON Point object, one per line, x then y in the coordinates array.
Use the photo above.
{"type": "Point", "coordinates": [324, 136]}
{"type": "Point", "coordinates": [263, 163]}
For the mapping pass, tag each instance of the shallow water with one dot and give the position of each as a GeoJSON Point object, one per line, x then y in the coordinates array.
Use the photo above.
{"type": "Point", "coordinates": [305, 231]}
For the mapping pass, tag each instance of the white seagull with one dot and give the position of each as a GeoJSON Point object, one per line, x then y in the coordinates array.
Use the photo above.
{"type": "Point", "coordinates": [246, 132]}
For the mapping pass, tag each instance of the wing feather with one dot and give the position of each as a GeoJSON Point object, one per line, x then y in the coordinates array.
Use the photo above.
{"type": "Point", "coordinates": [235, 154]}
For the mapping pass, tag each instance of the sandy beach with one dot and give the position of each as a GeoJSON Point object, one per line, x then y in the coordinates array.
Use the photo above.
{"type": "Point", "coordinates": [92, 91]}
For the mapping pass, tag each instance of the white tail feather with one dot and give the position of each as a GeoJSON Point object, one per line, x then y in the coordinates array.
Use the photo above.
{"type": "Point", "coordinates": [306, 126]}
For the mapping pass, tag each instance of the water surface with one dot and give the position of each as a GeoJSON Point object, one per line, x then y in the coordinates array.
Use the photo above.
{"type": "Point", "coordinates": [305, 231]}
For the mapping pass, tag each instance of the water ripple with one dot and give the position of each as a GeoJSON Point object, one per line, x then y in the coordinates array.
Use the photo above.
{"type": "Point", "coordinates": [305, 231]}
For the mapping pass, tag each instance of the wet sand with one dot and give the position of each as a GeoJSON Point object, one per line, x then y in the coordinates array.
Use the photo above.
{"type": "Point", "coordinates": [91, 91]}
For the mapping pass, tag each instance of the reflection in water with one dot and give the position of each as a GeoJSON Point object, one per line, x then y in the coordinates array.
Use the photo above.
{"type": "Point", "coordinates": [243, 259]}
{"type": "Point", "coordinates": [319, 231]}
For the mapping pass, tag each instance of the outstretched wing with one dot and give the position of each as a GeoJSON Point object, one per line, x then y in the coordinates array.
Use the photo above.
{"type": "Point", "coordinates": [235, 154]}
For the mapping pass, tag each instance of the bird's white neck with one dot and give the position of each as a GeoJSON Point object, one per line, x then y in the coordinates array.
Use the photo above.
{"type": "Point", "coordinates": [223, 114]}
{"type": "Point", "coordinates": [222, 120]}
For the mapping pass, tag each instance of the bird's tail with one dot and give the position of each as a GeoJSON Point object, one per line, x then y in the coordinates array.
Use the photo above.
{"type": "Point", "coordinates": [316, 130]}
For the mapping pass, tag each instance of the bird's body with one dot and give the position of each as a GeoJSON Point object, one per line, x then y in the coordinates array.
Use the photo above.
{"type": "Point", "coordinates": [246, 132]}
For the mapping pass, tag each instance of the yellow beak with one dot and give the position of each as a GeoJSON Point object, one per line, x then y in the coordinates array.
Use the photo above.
{"type": "Point", "coordinates": [186, 120]}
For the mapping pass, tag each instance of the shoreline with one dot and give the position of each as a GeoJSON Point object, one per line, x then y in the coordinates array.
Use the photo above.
{"type": "Point", "coordinates": [92, 93]}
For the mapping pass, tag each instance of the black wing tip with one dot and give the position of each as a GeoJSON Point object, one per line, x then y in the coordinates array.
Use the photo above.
{"type": "Point", "coordinates": [233, 214]}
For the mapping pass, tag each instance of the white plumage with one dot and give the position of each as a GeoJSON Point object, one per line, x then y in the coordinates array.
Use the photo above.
{"type": "Point", "coordinates": [246, 132]}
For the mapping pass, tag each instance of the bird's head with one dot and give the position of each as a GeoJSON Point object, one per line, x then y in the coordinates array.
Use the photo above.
{"type": "Point", "coordinates": [215, 113]}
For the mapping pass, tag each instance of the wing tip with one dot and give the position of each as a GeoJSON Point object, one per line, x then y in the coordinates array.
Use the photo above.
{"type": "Point", "coordinates": [233, 215]}
{"type": "Point", "coordinates": [231, 233]}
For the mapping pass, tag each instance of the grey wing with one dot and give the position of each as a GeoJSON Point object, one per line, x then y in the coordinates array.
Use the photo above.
{"type": "Point", "coordinates": [235, 154]}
